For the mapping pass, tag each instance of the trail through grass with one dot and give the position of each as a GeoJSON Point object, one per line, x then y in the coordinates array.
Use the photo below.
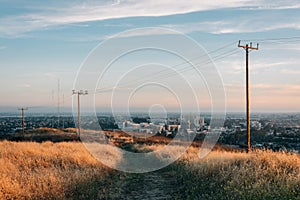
{"type": "Point", "coordinates": [66, 170]}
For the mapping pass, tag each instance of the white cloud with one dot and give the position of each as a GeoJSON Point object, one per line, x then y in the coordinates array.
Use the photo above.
{"type": "Point", "coordinates": [265, 87]}
{"type": "Point", "coordinates": [276, 5]}
{"type": "Point", "coordinates": [232, 67]}
{"type": "Point", "coordinates": [70, 13]}
{"type": "Point", "coordinates": [290, 71]}
{"type": "Point", "coordinates": [24, 85]}
{"type": "Point", "coordinates": [144, 32]}
{"type": "Point", "coordinates": [237, 25]}
{"type": "Point", "coordinates": [258, 66]}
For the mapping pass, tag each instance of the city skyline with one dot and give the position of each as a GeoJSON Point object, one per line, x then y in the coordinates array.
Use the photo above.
{"type": "Point", "coordinates": [43, 42]}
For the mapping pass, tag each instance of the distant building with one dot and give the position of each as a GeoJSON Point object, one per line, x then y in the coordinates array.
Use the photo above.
{"type": "Point", "coordinates": [256, 125]}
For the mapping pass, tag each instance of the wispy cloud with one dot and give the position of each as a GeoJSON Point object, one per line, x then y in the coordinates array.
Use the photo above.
{"type": "Point", "coordinates": [265, 87]}
{"type": "Point", "coordinates": [144, 32]}
{"type": "Point", "coordinates": [245, 24]}
{"type": "Point", "coordinates": [290, 71]}
{"type": "Point", "coordinates": [277, 5]}
{"type": "Point", "coordinates": [24, 85]}
{"type": "Point", "coordinates": [70, 13]}
{"type": "Point", "coordinates": [261, 65]}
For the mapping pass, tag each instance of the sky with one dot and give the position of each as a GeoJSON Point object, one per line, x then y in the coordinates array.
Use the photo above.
{"type": "Point", "coordinates": [43, 43]}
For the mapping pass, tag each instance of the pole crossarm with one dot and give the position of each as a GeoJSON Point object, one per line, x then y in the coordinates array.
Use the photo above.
{"type": "Point", "coordinates": [247, 46]}
{"type": "Point", "coordinates": [22, 108]}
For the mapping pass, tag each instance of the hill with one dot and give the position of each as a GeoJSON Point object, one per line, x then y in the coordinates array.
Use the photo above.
{"type": "Point", "coordinates": [65, 170]}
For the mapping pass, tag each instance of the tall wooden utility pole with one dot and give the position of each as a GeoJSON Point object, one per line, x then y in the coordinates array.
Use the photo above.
{"type": "Point", "coordinates": [79, 92]}
{"type": "Point", "coordinates": [247, 47]}
{"type": "Point", "coordinates": [23, 124]}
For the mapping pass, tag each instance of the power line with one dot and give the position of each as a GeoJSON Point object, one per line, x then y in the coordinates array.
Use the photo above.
{"type": "Point", "coordinates": [168, 74]}
{"type": "Point", "coordinates": [109, 88]}
{"type": "Point", "coordinates": [68, 98]}
{"type": "Point", "coordinates": [215, 58]}
{"type": "Point", "coordinates": [219, 57]}
{"type": "Point", "coordinates": [183, 63]}
{"type": "Point", "coordinates": [189, 68]}
{"type": "Point", "coordinates": [284, 39]}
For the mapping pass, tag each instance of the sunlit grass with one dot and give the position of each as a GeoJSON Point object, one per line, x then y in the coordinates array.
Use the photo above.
{"type": "Point", "coordinates": [237, 175]}
{"type": "Point", "coordinates": [47, 170]}
{"type": "Point", "coordinates": [227, 174]}
{"type": "Point", "coordinates": [67, 170]}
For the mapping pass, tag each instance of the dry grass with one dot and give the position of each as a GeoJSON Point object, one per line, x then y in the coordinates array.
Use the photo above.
{"type": "Point", "coordinates": [67, 171]}
{"type": "Point", "coordinates": [237, 175]}
{"type": "Point", "coordinates": [234, 175]}
{"type": "Point", "coordinates": [49, 171]}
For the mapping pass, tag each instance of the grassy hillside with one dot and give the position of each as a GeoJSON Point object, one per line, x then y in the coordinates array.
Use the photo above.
{"type": "Point", "coordinates": [227, 175]}
{"type": "Point", "coordinates": [50, 170]}
{"type": "Point", "coordinates": [66, 170]}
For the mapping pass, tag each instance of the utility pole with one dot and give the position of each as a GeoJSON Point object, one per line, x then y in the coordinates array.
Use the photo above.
{"type": "Point", "coordinates": [23, 126]}
{"type": "Point", "coordinates": [63, 120]}
{"type": "Point", "coordinates": [79, 92]}
{"type": "Point", "coordinates": [58, 102]}
{"type": "Point", "coordinates": [247, 47]}
{"type": "Point", "coordinates": [53, 106]}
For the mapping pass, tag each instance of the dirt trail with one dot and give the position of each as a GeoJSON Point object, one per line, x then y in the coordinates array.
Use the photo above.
{"type": "Point", "coordinates": [153, 185]}
{"type": "Point", "coordinates": [160, 184]}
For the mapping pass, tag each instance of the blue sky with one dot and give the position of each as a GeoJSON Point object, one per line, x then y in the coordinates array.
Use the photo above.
{"type": "Point", "coordinates": [41, 42]}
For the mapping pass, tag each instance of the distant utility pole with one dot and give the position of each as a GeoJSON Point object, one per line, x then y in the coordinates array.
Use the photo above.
{"type": "Point", "coordinates": [53, 106]}
{"type": "Point", "coordinates": [63, 120]}
{"type": "Point", "coordinates": [79, 92]}
{"type": "Point", "coordinates": [247, 47]}
{"type": "Point", "coordinates": [23, 126]}
{"type": "Point", "coordinates": [58, 102]}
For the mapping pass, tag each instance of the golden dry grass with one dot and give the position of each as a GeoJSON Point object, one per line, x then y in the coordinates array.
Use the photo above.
{"type": "Point", "coordinates": [234, 175]}
{"type": "Point", "coordinates": [67, 171]}
{"type": "Point", "coordinates": [46, 170]}
{"type": "Point", "coordinates": [237, 175]}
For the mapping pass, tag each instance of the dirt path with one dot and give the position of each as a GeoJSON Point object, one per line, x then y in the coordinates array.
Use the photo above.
{"type": "Point", "coordinates": [160, 184]}
{"type": "Point", "coordinates": [153, 185]}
